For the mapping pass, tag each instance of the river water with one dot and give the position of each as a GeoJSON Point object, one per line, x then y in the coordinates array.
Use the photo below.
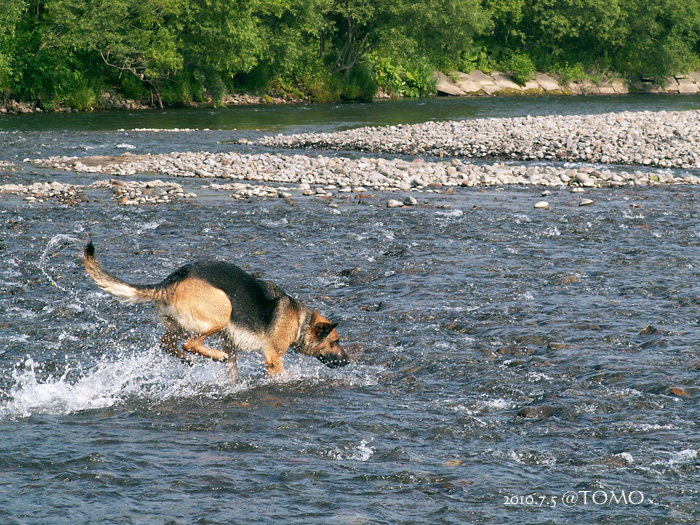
{"type": "Point", "coordinates": [512, 365]}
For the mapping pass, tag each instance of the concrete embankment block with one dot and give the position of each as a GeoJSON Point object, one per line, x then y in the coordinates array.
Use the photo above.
{"type": "Point", "coordinates": [446, 86]}
{"type": "Point", "coordinates": [687, 86]}
{"type": "Point", "coordinates": [500, 83]}
{"type": "Point", "coordinates": [488, 85]}
{"type": "Point", "coordinates": [548, 83]}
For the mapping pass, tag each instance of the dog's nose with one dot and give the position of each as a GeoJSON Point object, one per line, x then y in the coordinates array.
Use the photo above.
{"type": "Point", "coordinates": [334, 360]}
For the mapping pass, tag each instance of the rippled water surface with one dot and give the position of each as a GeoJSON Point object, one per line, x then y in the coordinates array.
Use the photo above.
{"type": "Point", "coordinates": [507, 359]}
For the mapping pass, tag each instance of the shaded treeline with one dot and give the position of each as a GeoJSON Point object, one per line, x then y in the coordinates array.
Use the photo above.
{"type": "Point", "coordinates": [66, 52]}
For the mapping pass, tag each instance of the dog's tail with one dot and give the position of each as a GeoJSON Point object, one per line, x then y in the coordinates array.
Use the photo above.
{"type": "Point", "coordinates": [125, 292]}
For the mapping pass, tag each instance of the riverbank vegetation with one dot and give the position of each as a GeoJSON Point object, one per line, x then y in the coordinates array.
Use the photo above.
{"type": "Point", "coordinates": [182, 52]}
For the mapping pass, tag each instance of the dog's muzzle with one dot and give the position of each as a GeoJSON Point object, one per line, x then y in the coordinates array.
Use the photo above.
{"type": "Point", "coordinates": [334, 360]}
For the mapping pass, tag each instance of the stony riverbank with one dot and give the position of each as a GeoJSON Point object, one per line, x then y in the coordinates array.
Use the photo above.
{"type": "Point", "coordinates": [455, 83]}
{"type": "Point", "coordinates": [665, 139]}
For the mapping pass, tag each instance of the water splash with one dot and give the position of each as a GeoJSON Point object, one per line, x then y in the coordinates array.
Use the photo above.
{"type": "Point", "coordinates": [58, 243]}
{"type": "Point", "coordinates": [63, 241]}
{"type": "Point", "coordinates": [151, 377]}
{"type": "Point", "coordinates": [142, 376]}
{"type": "Point", "coordinates": [137, 374]}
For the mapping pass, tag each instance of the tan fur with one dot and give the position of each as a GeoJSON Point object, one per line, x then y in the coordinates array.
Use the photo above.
{"type": "Point", "coordinates": [196, 306]}
{"type": "Point", "coordinates": [195, 345]}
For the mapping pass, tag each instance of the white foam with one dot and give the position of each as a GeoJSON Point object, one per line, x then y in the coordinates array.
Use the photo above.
{"type": "Point", "coordinates": [21, 313]}
{"type": "Point", "coordinates": [675, 460]}
{"type": "Point", "coordinates": [552, 231]}
{"type": "Point", "coordinates": [485, 406]}
{"type": "Point", "coordinates": [111, 382]}
{"type": "Point", "coordinates": [450, 213]}
{"type": "Point", "coordinates": [683, 457]}
{"type": "Point", "coordinates": [536, 377]}
{"type": "Point", "coordinates": [146, 226]}
{"type": "Point", "coordinates": [527, 457]}
{"type": "Point", "coordinates": [361, 452]}
{"type": "Point", "coordinates": [626, 457]}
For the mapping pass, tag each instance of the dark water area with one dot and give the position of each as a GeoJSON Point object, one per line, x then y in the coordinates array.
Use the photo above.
{"type": "Point", "coordinates": [298, 118]}
{"type": "Point", "coordinates": [116, 132]}
{"type": "Point", "coordinates": [512, 365]}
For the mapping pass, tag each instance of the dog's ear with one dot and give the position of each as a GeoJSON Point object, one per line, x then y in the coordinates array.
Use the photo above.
{"type": "Point", "coordinates": [321, 330]}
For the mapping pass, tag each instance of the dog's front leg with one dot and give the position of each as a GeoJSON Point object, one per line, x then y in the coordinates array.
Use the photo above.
{"type": "Point", "coordinates": [274, 360]}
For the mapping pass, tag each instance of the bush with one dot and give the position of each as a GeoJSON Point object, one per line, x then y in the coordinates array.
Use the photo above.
{"type": "Point", "coordinates": [184, 89]}
{"type": "Point", "coordinates": [520, 67]}
{"type": "Point", "coordinates": [360, 85]}
{"type": "Point", "coordinates": [477, 58]}
{"type": "Point", "coordinates": [410, 79]}
{"type": "Point", "coordinates": [132, 88]}
{"type": "Point", "coordinates": [82, 97]}
{"type": "Point", "coordinates": [569, 73]}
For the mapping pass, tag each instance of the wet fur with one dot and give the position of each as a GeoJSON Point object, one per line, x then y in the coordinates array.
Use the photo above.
{"type": "Point", "coordinates": [213, 297]}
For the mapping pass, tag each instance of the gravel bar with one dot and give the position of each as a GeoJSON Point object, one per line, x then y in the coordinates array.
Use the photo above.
{"type": "Point", "coordinates": [665, 139]}
{"type": "Point", "coordinates": [319, 174]}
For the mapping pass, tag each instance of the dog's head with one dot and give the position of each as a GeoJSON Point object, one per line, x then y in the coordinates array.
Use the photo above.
{"type": "Point", "coordinates": [323, 342]}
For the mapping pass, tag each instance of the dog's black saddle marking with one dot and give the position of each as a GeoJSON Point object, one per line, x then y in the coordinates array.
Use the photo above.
{"type": "Point", "coordinates": [253, 301]}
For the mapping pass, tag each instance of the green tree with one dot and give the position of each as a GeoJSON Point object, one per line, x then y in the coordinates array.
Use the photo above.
{"type": "Point", "coordinates": [652, 37]}
{"type": "Point", "coordinates": [439, 30]}
{"type": "Point", "coordinates": [131, 37]}
{"type": "Point", "coordinates": [662, 37]}
{"type": "Point", "coordinates": [222, 39]}
{"type": "Point", "coordinates": [10, 16]}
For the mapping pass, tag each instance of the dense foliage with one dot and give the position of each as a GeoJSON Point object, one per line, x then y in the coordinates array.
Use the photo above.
{"type": "Point", "coordinates": [631, 37]}
{"type": "Point", "coordinates": [66, 52]}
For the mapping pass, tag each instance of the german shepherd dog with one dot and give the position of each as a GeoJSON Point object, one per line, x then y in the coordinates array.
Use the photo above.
{"type": "Point", "coordinates": [212, 297]}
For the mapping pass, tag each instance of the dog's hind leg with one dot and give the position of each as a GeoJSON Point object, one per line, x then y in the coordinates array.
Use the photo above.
{"type": "Point", "coordinates": [169, 343]}
{"type": "Point", "coordinates": [232, 363]}
{"type": "Point", "coordinates": [196, 346]}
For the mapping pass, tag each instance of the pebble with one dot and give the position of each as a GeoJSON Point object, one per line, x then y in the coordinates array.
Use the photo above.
{"type": "Point", "coordinates": [585, 202]}
{"type": "Point", "coordinates": [542, 205]}
{"type": "Point", "coordinates": [130, 193]}
{"type": "Point", "coordinates": [678, 391]}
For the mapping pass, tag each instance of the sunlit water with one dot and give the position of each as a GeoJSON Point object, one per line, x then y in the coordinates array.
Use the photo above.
{"type": "Point", "coordinates": [501, 352]}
